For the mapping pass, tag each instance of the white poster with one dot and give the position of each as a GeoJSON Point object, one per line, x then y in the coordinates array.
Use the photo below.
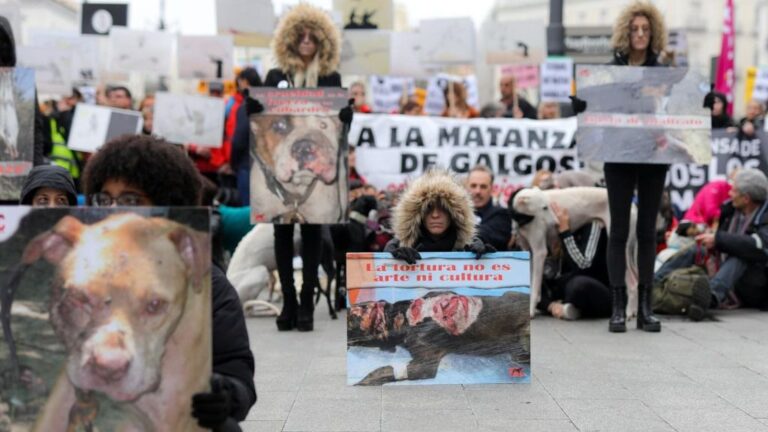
{"type": "Point", "coordinates": [365, 52]}
{"type": "Point", "coordinates": [387, 92]}
{"type": "Point", "coordinates": [760, 91]}
{"type": "Point", "coordinates": [94, 125]}
{"type": "Point", "coordinates": [245, 17]}
{"type": "Point", "coordinates": [556, 77]}
{"type": "Point", "coordinates": [405, 55]}
{"type": "Point", "coordinates": [189, 119]}
{"type": "Point", "coordinates": [140, 51]}
{"type": "Point", "coordinates": [393, 149]}
{"type": "Point", "coordinates": [515, 42]}
{"type": "Point", "coordinates": [447, 41]}
{"type": "Point", "coordinates": [435, 100]}
{"type": "Point", "coordinates": [199, 57]}
{"type": "Point", "coordinates": [84, 51]}
{"type": "Point", "coordinates": [53, 68]}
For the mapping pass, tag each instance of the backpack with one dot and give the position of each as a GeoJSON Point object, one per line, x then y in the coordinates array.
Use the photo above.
{"type": "Point", "coordinates": [684, 291]}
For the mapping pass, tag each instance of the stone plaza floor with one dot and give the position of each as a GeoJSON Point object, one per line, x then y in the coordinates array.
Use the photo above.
{"type": "Point", "coordinates": [706, 376]}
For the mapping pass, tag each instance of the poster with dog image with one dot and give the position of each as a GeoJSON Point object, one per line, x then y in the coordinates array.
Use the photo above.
{"type": "Point", "coordinates": [299, 153]}
{"type": "Point", "coordinates": [17, 117]}
{"type": "Point", "coordinates": [448, 319]}
{"type": "Point", "coordinates": [106, 318]}
{"type": "Point", "coordinates": [643, 115]}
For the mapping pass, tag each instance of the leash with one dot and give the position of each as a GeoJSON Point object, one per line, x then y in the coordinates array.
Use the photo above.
{"type": "Point", "coordinates": [83, 412]}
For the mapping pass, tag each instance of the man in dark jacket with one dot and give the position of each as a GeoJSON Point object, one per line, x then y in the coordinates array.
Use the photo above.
{"type": "Point", "coordinates": [142, 170]}
{"type": "Point", "coordinates": [741, 244]}
{"type": "Point", "coordinates": [494, 225]}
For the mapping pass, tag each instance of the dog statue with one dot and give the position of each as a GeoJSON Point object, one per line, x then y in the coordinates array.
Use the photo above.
{"type": "Point", "coordinates": [584, 204]}
{"type": "Point", "coordinates": [438, 324]}
{"type": "Point", "coordinates": [130, 302]}
{"type": "Point", "coordinates": [296, 175]}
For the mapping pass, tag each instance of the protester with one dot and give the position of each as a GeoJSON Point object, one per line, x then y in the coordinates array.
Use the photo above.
{"type": "Point", "coordinates": [357, 92]}
{"type": "Point", "coordinates": [543, 179]}
{"type": "Point", "coordinates": [456, 105]}
{"type": "Point", "coordinates": [493, 223]}
{"type": "Point", "coordinates": [434, 214]}
{"type": "Point", "coordinates": [119, 97]}
{"type": "Point", "coordinates": [720, 117]}
{"type": "Point", "coordinates": [753, 121]}
{"type": "Point", "coordinates": [740, 245]}
{"type": "Point", "coordinates": [139, 170]}
{"type": "Point", "coordinates": [147, 109]}
{"type": "Point", "coordinates": [708, 202]}
{"type": "Point", "coordinates": [549, 111]}
{"type": "Point", "coordinates": [517, 106]}
{"type": "Point", "coordinates": [412, 108]}
{"type": "Point", "coordinates": [49, 186]}
{"type": "Point", "coordinates": [352, 165]}
{"type": "Point", "coordinates": [492, 110]}
{"type": "Point", "coordinates": [238, 128]}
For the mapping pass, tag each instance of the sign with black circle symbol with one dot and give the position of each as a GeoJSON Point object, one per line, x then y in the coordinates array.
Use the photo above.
{"type": "Point", "coordinates": [99, 18]}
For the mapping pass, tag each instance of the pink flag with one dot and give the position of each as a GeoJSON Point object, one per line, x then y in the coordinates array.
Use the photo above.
{"type": "Point", "coordinates": [725, 67]}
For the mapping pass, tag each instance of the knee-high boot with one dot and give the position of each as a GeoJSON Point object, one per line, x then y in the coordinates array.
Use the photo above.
{"type": "Point", "coordinates": [618, 321]}
{"type": "Point", "coordinates": [287, 318]}
{"type": "Point", "coordinates": [645, 319]}
{"type": "Point", "coordinates": [305, 319]}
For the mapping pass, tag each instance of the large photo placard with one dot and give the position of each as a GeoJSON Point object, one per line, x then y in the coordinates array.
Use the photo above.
{"type": "Point", "coordinates": [106, 316]}
{"type": "Point", "coordinates": [17, 117]}
{"type": "Point", "coordinates": [643, 115]}
{"type": "Point", "coordinates": [299, 152]}
{"type": "Point", "coordinates": [189, 119]}
{"type": "Point", "coordinates": [448, 319]}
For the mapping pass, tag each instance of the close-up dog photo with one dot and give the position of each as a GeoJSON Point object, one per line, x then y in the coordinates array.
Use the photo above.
{"type": "Point", "coordinates": [106, 318]}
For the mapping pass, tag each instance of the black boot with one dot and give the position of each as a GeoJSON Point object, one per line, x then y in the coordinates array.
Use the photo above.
{"type": "Point", "coordinates": [287, 318]}
{"type": "Point", "coordinates": [305, 320]}
{"type": "Point", "coordinates": [645, 319]}
{"type": "Point", "coordinates": [618, 322]}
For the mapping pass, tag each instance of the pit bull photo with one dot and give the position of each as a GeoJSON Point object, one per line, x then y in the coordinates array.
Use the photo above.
{"type": "Point", "coordinates": [540, 232]}
{"type": "Point", "coordinates": [438, 324]}
{"type": "Point", "coordinates": [129, 304]}
{"type": "Point", "coordinates": [299, 172]}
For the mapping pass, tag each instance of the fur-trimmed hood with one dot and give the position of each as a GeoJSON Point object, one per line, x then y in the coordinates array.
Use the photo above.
{"type": "Point", "coordinates": [435, 187]}
{"type": "Point", "coordinates": [621, 40]}
{"type": "Point", "coordinates": [289, 31]}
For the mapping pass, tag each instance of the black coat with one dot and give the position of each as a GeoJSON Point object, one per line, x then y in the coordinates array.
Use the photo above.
{"type": "Point", "coordinates": [275, 76]}
{"type": "Point", "coordinates": [495, 226]}
{"type": "Point", "coordinates": [240, 156]}
{"type": "Point", "coordinates": [529, 111]}
{"type": "Point", "coordinates": [232, 356]}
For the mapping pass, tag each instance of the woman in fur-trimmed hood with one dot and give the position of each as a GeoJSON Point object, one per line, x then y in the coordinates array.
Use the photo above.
{"type": "Point", "coordinates": [637, 43]}
{"type": "Point", "coordinates": [434, 214]}
{"type": "Point", "coordinates": [306, 47]}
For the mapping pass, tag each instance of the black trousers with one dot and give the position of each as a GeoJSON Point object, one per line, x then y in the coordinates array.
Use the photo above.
{"type": "Point", "coordinates": [590, 296]}
{"type": "Point", "coordinates": [621, 180]}
{"type": "Point", "coordinates": [310, 257]}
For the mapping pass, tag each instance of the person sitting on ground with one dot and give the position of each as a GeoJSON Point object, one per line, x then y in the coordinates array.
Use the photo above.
{"type": "Point", "coordinates": [140, 170]}
{"type": "Point", "coordinates": [740, 245]}
{"type": "Point", "coordinates": [434, 214]}
{"type": "Point", "coordinates": [49, 186]}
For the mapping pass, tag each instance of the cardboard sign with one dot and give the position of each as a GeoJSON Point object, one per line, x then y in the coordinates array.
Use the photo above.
{"type": "Point", "coordinates": [365, 14]}
{"type": "Point", "coordinates": [54, 69]}
{"type": "Point", "coordinates": [251, 22]}
{"type": "Point", "coordinates": [93, 126]}
{"type": "Point", "coordinates": [405, 55]}
{"type": "Point", "coordinates": [387, 92]}
{"type": "Point", "coordinates": [435, 101]}
{"type": "Point", "coordinates": [203, 57]}
{"type": "Point", "coordinates": [110, 312]}
{"type": "Point", "coordinates": [447, 41]}
{"type": "Point", "coordinates": [643, 115]}
{"type": "Point", "coordinates": [189, 119]}
{"type": "Point", "coordinates": [515, 42]}
{"type": "Point", "coordinates": [84, 52]}
{"type": "Point", "coordinates": [17, 125]}
{"type": "Point", "coordinates": [100, 18]}
{"type": "Point", "coordinates": [140, 51]}
{"type": "Point", "coordinates": [526, 76]}
{"type": "Point", "coordinates": [556, 78]}
{"type": "Point", "coordinates": [760, 90]}
{"type": "Point", "coordinates": [299, 174]}
{"type": "Point", "coordinates": [365, 52]}
{"type": "Point", "coordinates": [448, 319]}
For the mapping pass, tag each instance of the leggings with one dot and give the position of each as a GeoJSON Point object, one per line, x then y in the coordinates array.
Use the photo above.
{"type": "Point", "coordinates": [621, 180]}
{"type": "Point", "coordinates": [310, 257]}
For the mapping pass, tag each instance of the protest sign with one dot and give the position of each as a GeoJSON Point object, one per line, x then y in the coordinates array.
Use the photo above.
{"type": "Point", "coordinates": [435, 100]}
{"type": "Point", "coordinates": [83, 51]}
{"type": "Point", "coordinates": [365, 14]}
{"type": "Point", "coordinates": [93, 126]}
{"type": "Point", "coordinates": [140, 51]}
{"type": "Point", "coordinates": [251, 22]}
{"type": "Point", "coordinates": [392, 149]}
{"type": "Point", "coordinates": [760, 89]}
{"type": "Point", "coordinates": [100, 18]}
{"type": "Point", "coordinates": [386, 92]}
{"type": "Point", "coordinates": [405, 55]}
{"type": "Point", "coordinates": [54, 69]}
{"type": "Point", "coordinates": [189, 119]}
{"type": "Point", "coordinates": [643, 115]}
{"type": "Point", "coordinates": [299, 152]}
{"type": "Point", "coordinates": [526, 76]}
{"type": "Point", "coordinates": [449, 319]}
{"type": "Point", "coordinates": [365, 52]}
{"type": "Point", "coordinates": [107, 312]}
{"type": "Point", "coordinates": [515, 42]}
{"type": "Point", "coordinates": [447, 41]}
{"type": "Point", "coordinates": [556, 78]}
{"type": "Point", "coordinates": [205, 57]}
{"type": "Point", "coordinates": [17, 126]}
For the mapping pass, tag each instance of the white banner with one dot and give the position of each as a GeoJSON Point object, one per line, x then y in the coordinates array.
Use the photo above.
{"type": "Point", "coordinates": [391, 149]}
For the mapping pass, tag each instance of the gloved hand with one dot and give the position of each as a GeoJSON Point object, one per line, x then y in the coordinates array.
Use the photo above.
{"type": "Point", "coordinates": [346, 113]}
{"type": "Point", "coordinates": [578, 105]}
{"type": "Point", "coordinates": [407, 254]}
{"type": "Point", "coordinates": [479, 248]}
{"type": "Point", "coordinates": [252, 106]}
{"type": "Point", "coordinates": [212, 409]}
{"type": "Point", "coordinates": [709, 98]}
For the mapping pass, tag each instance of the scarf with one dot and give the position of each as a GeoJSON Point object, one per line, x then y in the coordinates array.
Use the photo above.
{"type": "Point", "coordinates": [428, 243]}
{"type": "Point", "coordinates": [307, 78]}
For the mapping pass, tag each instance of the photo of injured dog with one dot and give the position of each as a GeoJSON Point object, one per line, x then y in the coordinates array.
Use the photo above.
{"type": "Point", "coordinates": [299, 152]}
{"type": "Point", "coordinates": [17, 116]}
{"type": "Point", "coordinates": [458, 334]}
{"type": "Point", "coordinates": [106, 318]}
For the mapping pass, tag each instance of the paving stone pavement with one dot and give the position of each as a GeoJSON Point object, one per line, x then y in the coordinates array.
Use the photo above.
{"type": "Point", "coordinates": [708, 376]}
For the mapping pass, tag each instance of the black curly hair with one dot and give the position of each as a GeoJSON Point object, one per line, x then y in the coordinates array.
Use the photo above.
{"type": "Point", "coordinates": [160, 169]}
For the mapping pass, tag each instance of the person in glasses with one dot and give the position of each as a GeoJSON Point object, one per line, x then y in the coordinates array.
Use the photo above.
{"type": "Point", "coordinates": [141, 170]}
{"type": "Point", "coordinates": [49, 186]}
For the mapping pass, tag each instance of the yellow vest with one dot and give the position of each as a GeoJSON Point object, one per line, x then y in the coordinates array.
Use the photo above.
{"type": "Point", "coordinates": [61, 155]}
